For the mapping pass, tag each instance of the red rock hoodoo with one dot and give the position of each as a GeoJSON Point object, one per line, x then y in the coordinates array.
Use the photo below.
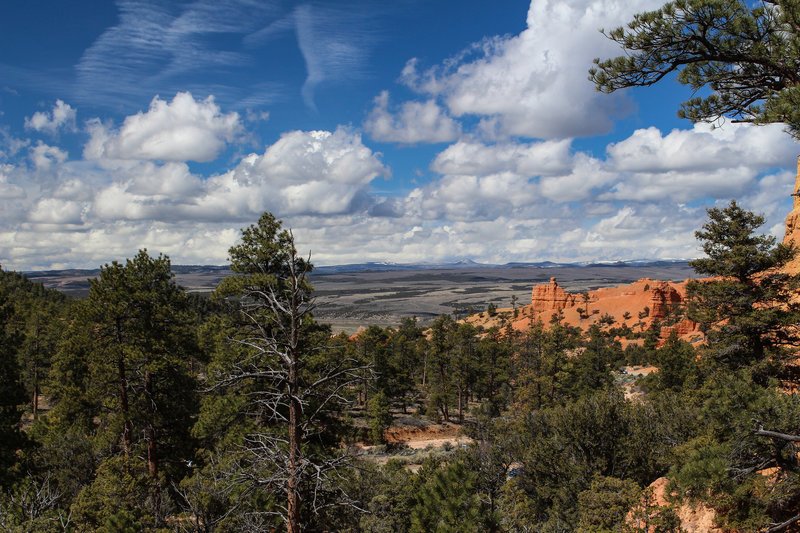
{"type": "Point", "coordinates": [550, 298]}
{"type": "Point", "coordinates": [792, 234]}
{"type": "Point", "coordinates": [663, 296]}
{"type": "Point", "coordinates": [636, 305]}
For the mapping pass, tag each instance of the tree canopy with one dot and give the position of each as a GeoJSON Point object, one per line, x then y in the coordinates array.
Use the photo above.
{"type": "Point", "coordinates": [746, 54]}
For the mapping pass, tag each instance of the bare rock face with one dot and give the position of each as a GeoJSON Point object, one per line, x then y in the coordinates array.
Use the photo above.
{"type": "Point", "coordinates": [649, 298]}
{"type": "Point", "coordinates": [793, 219]}
{"type": "Point", "coordinates": [697, 518]}
{"type": "Point", "coordinates": [792, 234]}
{"type": "Point", "coordinates": [683, 329]}
{"type": "Point", "coordinates": [550, 298]}
{"type": "Point", "coordinates": [663, 295]}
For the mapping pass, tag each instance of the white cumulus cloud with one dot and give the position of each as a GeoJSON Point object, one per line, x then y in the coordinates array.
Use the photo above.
{"type": "Point", "coordinates": [315, 173]}
{"type": "Point", "coordinates": [469, 156]}
{"type": "Point", "coordinates": [9, 191]}
{"type": "Point", "coordinates": [703, 148]}
{"type": "Point", "coordinates": [44, 156]}
{"type": "Point", "coordinates": [415, 122]}
{"type": "Point", "coordinates": [62, 116]}
{"type": "Point", "coordinates": [57, 211]}
{"type": "Point", "coordinates": [535, 84]}
{"type": "Point", "coordinates": [181, 130]}
{"type": "Point", "coordinates": [303, 172]}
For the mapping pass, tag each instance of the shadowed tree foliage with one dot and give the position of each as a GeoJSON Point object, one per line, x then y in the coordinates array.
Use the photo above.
{"type": "Point", "coordinates": [556, 445]}
{"type": "Point", "coordinates": [448, 503]}
{"type": "Point", "coordinates": [380, 417]}
{"type": "Point", "coordinates": [604, 506]}
{"type": "Point", "coordinates": [37, 319]}
{"type": "Point", "coordinates": [391, 493]}
{"type": "Point", "coordinates": [12, 393]}
{"type": "Point", "coordinates": [677, 362]}
{"type": "Point", "coordinates": [751, 322]}
{"type": "Point", "coordinates": [125, 380]}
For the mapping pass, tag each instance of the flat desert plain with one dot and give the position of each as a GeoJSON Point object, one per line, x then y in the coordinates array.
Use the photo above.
{"type": "Point", "coordinates": [350, 300]}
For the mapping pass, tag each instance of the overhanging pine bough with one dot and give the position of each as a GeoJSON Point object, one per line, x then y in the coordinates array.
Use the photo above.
{"type": "Point", "coordinates": [749, 57]}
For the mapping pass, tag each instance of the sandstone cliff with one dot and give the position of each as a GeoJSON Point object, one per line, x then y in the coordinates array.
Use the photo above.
{"type": "Point", "coordinates": [550, 298]}
{"type": "Point", "coordinates": [636, 305]}
{"type": "Point", "coordinates": [697, 518]}
{"type": "Point", "coordinates": [792, 234]}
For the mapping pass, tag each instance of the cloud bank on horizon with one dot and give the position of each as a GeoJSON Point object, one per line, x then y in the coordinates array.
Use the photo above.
{"type": "Point", "coordinates": [153, 136]}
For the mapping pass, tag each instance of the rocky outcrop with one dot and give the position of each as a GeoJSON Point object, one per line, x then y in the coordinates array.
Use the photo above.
{"type": "Point", "coordinates": [793, 219]}
{"type": "Point", "coordinates": [663, 299]}
{"type": "Point", "coordinates": [792, 234]}
{"type": "Point", "coordinates": [645, 300]}
{"type": "Point", "coordinates": [698, 518]}
{"type": "Point", "coordinates": [685, 329]}
{"type": "Point", "coordinates": [636, 306]}
{"type": "Point", "coordinates": [550, 298]}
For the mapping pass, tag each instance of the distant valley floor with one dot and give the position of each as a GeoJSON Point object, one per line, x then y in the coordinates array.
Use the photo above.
{"type": "Point", "coordinates": [349, 300]}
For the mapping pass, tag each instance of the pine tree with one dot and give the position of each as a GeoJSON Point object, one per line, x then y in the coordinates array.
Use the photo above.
{"type": "Point", "coordinates": [747, 309]}
{"type": "Point", "coordinates": [744, 52]}
{"type": "Point", "coordinates": [380, 417]}
{"type": "Point", "coordinates": [12, 395]}
{"type": "Point", "coordinates": [135, 330]}
{"type": "Point", "coordinates": [448, 503]}
{"type": "Point", "coordinates": [294, 376]}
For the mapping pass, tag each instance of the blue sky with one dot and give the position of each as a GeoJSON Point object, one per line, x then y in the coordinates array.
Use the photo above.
{"type": "Point", "coordinates": [401, 131]}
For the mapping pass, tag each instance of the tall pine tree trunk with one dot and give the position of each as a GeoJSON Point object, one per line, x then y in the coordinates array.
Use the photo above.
{"type": "Point", "coordinates": [443, 384]}
{"type": "Point", "coordinates": [293, 483]}
{"type": "Point", "coordinates": [152, 451]}
{"type": "Point", "coordinates": [35, 399]}
{"type": "Point", "coordinates": [460, 403]}
{"type": "Point", "coordinates": [127, 431]}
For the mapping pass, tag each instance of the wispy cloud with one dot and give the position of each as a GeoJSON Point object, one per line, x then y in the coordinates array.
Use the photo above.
{"type": "Point", "coordinates": [334, 43]}
{"type": "Point", "coordinates": [162, 47]}
{"type": "Point", "coordinates": [513, 185]}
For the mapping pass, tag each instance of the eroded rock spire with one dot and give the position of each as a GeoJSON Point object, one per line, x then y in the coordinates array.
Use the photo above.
{"type": "Point", "coordinates": [793, 220]}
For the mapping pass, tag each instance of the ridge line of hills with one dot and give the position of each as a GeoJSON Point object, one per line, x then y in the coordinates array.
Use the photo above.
{"type": "Point", "coordinates": [383, 267]}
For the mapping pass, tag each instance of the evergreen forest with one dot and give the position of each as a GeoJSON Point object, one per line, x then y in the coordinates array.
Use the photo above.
{"type": "Point", "coordinates": [145, 408]}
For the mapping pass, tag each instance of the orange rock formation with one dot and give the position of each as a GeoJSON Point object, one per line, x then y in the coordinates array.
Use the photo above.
{"type": "Point", "coordinates": [792, 234]}
{"type": "Point", "coordinates": [550, 298]}
{"type": "Point", "coordinates": [697, 518]}
{"type": "Point", "coordinates": [636, 305]}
